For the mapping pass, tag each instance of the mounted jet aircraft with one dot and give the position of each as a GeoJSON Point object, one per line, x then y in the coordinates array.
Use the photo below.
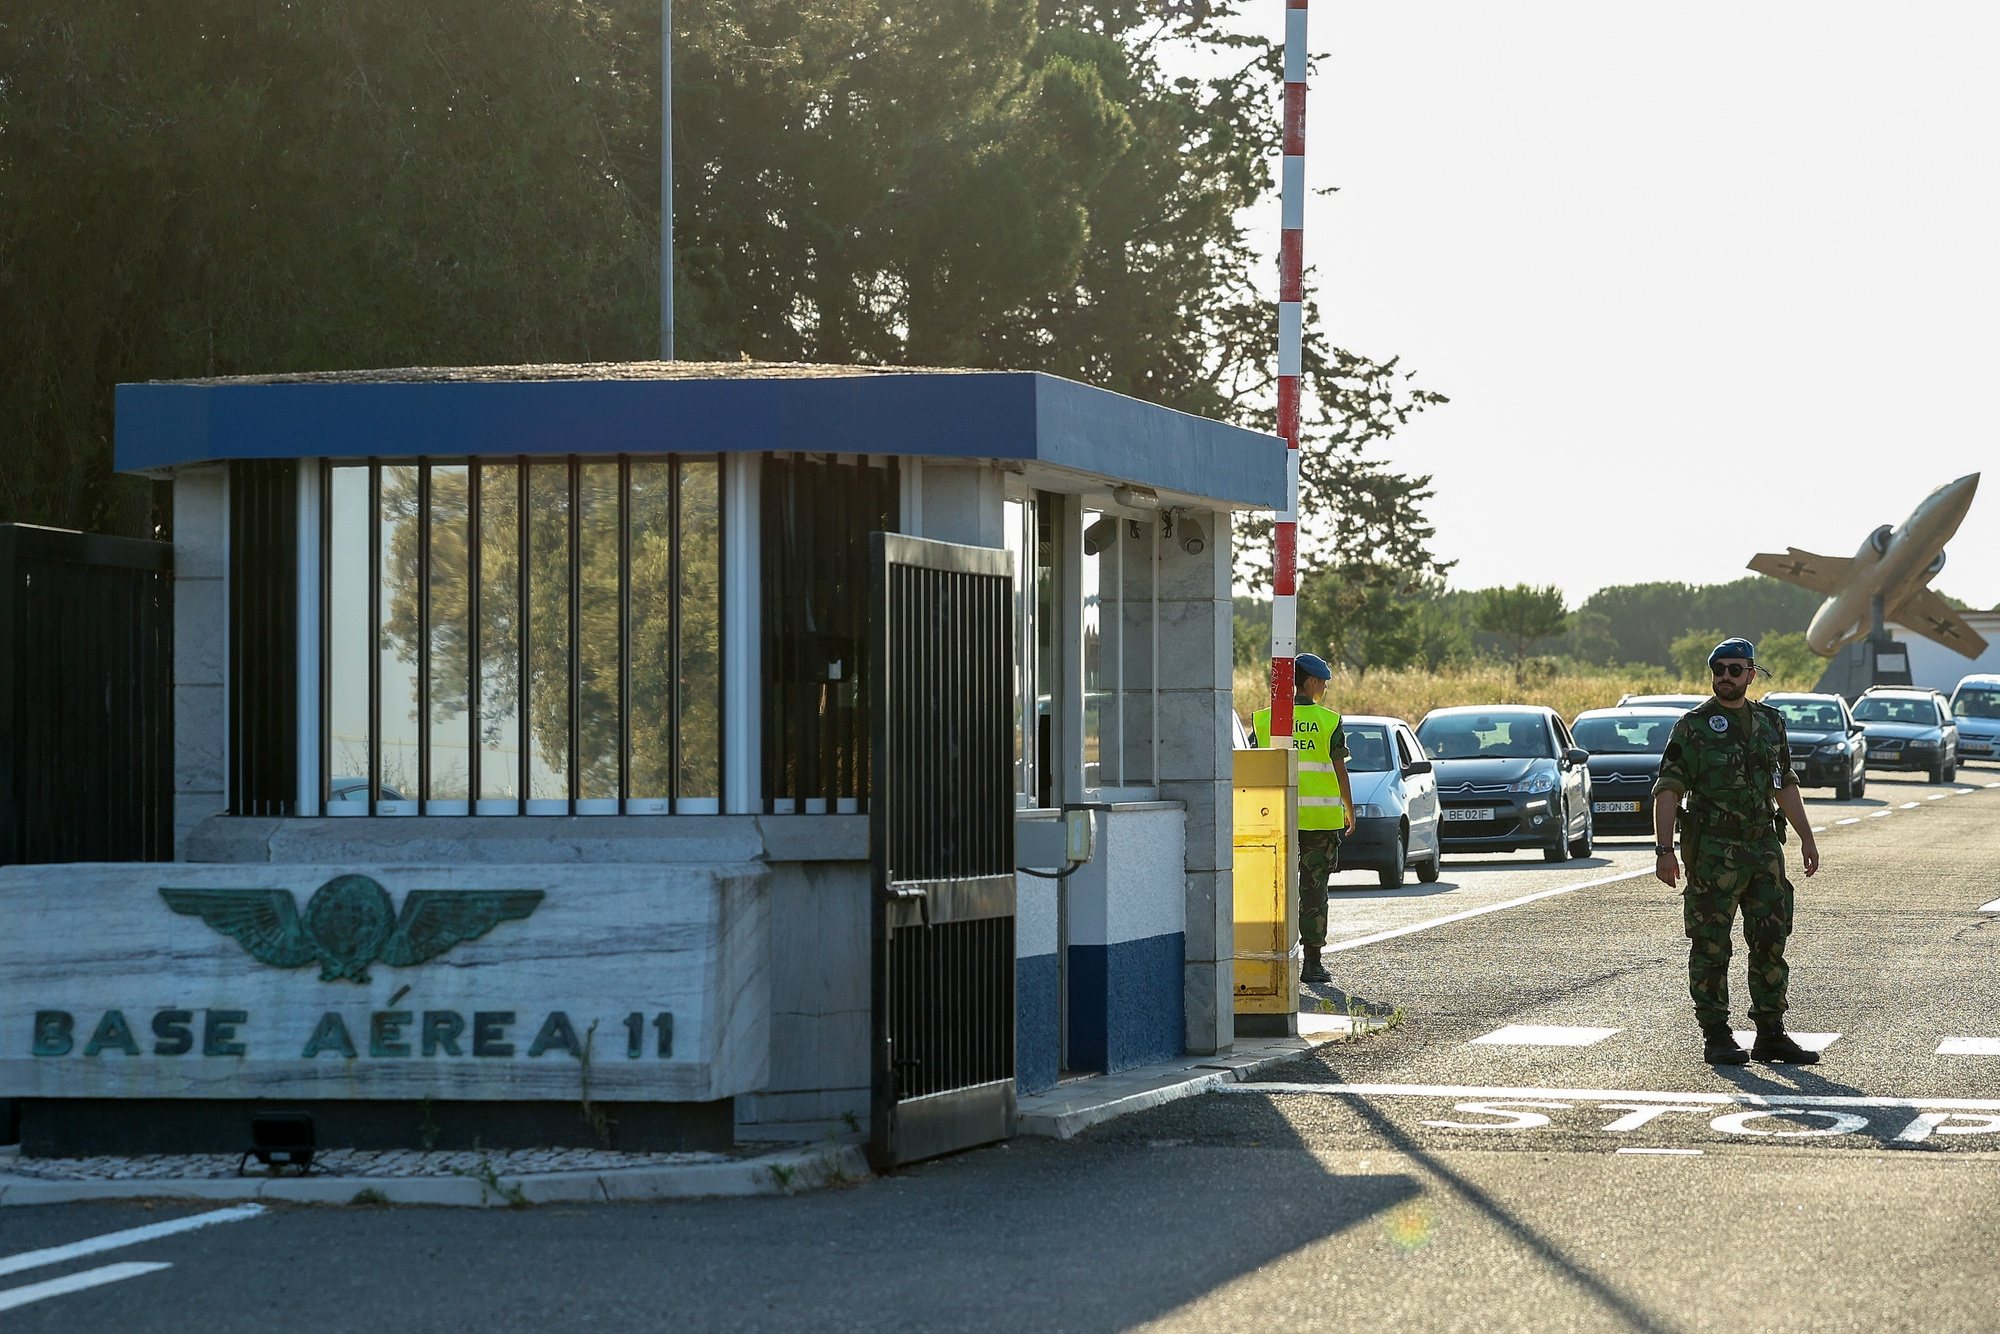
{"type": "Point", "coordinates": [1894, 564]}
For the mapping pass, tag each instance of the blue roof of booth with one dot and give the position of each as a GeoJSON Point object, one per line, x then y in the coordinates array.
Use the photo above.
{"type": "Point", "coordinates": [688, 407]}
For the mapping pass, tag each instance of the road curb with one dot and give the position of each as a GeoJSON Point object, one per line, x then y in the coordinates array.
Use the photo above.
{"type": "Point", "coordinates": [1066, 1111]}
{"type": "Point", "coordinates": [785, 1172]}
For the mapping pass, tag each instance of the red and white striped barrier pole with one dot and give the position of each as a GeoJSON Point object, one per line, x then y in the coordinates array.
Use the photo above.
{"type": "Point", "coordinates": [1291, 318]}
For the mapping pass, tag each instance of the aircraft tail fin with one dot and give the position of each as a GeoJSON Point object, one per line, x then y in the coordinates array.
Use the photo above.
{"type": "Point", "coordinates": [1822, 574]}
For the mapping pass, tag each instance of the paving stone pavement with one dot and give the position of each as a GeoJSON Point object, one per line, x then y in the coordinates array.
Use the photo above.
{"type": "Point", "coordinates": [400, 1163]}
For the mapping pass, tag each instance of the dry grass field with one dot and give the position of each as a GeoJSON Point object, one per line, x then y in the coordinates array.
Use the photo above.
{"type": "Point", "coordinates": [1411, 694]}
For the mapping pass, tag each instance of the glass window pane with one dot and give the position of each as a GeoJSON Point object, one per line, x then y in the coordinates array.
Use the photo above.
{"type": "Point", "coordinates": [347, 635]}
{"type": "Point", "coordinates": [1138, 558]}
{"type": "Point", "coordinates": [597, 630]}
{"type": "Point", "coordinates": [1020, 543]}
{"type": "Point", "coordinates": [652, 499]}
{"type": "Point", "coordinates": [450, 647]}
{"type": "Point", "coordinates": [397, 644]}
{"type": "Point", "coordinates": [499, 633]}
{"type": "Point", "coordinates": [700, 611]}
{"type": "Point", "coordinates": [548, 631]}
{"type": "Point", "coordinates": [1096, 680]}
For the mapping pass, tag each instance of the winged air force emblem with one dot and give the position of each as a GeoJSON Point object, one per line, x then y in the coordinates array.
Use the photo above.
{"type": "Point", "coordinates": [350, 922]}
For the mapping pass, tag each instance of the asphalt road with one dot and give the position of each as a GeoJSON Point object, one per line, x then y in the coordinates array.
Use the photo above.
{"type": "Point", "coordinates": [1418, 1178]}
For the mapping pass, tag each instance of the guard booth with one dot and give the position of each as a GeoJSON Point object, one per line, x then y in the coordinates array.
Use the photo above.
{"type": "Point", "coordinates": [533, 728]}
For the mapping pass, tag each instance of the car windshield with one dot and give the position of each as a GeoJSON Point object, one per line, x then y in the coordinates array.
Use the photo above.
{"type": "Point", "coordinates": [1977, 702]}
{"type": "Point", "coordinates": [1623, 736]}
{"type": "Point", "coordinates": [1368, 748]}
{"type": "Point", "coordinates": [1470, 736]}
{"type": "Point", "coordinates": [1809, 715]}
{"type": "Point", "coordinates": [1895, 709]}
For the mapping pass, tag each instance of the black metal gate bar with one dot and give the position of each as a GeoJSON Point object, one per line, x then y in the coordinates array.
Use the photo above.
{"type": "Point", "coordinates": [941, 822]}
{"type": "Point", "coordinates": [86, 697]}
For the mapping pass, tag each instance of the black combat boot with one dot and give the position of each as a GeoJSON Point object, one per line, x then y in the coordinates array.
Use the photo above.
{"type": "Point", "coordinates": [1314, 971]}
{"type": "Point", "coordinates": [1775, 1045]}
{"type": "Point", "coordinates": [1718, 1046]}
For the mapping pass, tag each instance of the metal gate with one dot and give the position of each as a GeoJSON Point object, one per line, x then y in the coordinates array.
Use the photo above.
{"type": "Point", "coordinates": [86, 697]}
{"type": "Point", "coordinates": [941, 833]}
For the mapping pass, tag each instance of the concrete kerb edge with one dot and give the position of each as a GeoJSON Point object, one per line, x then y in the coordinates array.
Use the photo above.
{"type": "Point", "coordinates": [787, 1172]}
{"type": "Point", "coordinates": [1209, 1073]}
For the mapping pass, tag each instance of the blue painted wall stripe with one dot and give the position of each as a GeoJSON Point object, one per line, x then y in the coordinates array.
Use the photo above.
{"type": "Point", "coordinates": [1127, 1003]}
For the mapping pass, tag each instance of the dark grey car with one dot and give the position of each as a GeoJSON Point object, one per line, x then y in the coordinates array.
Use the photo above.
{"type": "Point", "coordinates": [1625, 747]}
{"type": "Point", "coordinates": [1829, 749]}
{"type": "Point", "coordinates": [1509, 777]}
{"type": "Point", "coordinates": [1909, 728]}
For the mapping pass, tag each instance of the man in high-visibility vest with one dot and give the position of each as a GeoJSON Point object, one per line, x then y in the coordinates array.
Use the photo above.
{"type": "Point", "coordinates": [1324, 799]}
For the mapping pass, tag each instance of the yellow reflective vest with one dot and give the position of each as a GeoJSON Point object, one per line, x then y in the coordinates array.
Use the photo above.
{"type": "Point", "coordinates": [1314, 729]}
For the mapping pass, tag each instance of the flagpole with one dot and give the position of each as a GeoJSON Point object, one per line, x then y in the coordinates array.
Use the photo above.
{"type": "Point", "coordinates": [1291, 319]}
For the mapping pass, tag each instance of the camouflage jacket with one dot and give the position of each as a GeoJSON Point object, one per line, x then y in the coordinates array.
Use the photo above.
{"type": "Point", "coordinates": [1730, 763]}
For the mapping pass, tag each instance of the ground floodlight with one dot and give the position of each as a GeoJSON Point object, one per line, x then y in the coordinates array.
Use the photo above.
{"type": "Point", "coordinates": [1193, 540]}
{"type": "Point", "coordinates": [280, 1140]}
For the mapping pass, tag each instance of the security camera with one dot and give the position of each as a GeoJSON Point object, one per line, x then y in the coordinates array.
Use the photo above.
{"type": "Point", "coordinates": [1100, 535]}
{"type": "Point", "coordinates": [1190, 535]}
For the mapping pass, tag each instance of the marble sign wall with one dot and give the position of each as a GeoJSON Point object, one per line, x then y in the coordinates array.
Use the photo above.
{"type": "Point", "coordinates": [611, 983]}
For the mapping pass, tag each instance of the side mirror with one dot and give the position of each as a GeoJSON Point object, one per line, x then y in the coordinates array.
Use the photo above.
{"type": "Point", "coordinates": [1576, 755]}
{"type": "Point", "coordinates": [1415, 767]}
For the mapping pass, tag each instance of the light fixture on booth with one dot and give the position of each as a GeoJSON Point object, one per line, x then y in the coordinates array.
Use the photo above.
{"type": "Point", "coordinates": [1136, 497]}
{"type": "Point", "coordinates": [1184, 532]}
{"type": "Point", "coordinates": [280, 1140]}
{"type": "Point", "coordinates": [1100, 535]}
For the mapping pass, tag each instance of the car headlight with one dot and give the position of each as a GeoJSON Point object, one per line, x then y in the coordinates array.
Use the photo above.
{"type": "Point", "coordinates": [1369, 811]}
{"type": "Point", "coordinates": [1833, 750]}
{"type": "Point", "coordinates": [1919, 743]}
{"type": "Point", "coordinates": [1541, 782]}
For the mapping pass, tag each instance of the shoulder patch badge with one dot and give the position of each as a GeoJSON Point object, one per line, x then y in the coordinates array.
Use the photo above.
{"type": "Point", "coordinates": [1718, 723]}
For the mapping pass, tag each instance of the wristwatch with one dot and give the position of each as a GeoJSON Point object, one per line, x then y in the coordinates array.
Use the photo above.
{"type": "Point", "coordinates": [1663, 849]}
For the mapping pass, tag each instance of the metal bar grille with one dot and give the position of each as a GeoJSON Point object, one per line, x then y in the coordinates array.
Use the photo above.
{"type": "Point", "coordinates": [86, 698]}
{"type": "Point", "coordinates": [942, 843]}
{"type": "Point", "coordinates": [263, 640]}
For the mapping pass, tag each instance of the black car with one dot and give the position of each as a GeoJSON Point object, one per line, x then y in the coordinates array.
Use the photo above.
{"type": "Point", "coordinates": [1909, 728]}
{"type": "Point", "coordinates": [1508, 777]}
{"type": "Point", "coordinates": [1828, 746]}
{"type": "Point", "coordinates": [1625, 746]}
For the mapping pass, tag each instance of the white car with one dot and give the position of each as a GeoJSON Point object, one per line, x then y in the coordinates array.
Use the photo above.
{"type": "Point", "coordinates": [1395, 823]}
{"type": "Point", "coordinates": [1976, 704]}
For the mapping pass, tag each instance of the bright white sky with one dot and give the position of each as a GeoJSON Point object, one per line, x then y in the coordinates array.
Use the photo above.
{"type": "Point", "coordinates": [1701, 279]}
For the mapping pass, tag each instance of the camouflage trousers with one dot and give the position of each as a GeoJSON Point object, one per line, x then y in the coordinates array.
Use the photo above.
{"type": "Point", "coordinates": [1319, 857]}
{"type": "Point", "coordinates": [1724, 876]}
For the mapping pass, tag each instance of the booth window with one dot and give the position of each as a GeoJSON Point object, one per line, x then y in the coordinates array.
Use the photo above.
{"type": "Point", "coordinates": [526, 637]}
{"type": "Point", "coordinates": [817, 513]}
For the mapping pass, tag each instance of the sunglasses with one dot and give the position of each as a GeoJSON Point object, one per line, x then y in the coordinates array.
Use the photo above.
{"type": "Point", "coordinates": [1731, 669]}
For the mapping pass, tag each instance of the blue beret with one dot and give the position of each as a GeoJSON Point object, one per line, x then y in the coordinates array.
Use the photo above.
{"type": "Point", "coordinates": [1311, 664]}
{"type": "Point", "coordinates": [1733, 648]}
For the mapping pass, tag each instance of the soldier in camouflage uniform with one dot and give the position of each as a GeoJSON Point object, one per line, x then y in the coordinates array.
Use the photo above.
{"type": "Point", "coordinates": [1730, 759]}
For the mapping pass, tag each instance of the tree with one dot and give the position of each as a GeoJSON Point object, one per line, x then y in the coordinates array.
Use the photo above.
{"type": "Point", "coordinates": [1522, 616]}
{"type": "Point", "coordinates": [1690, 651]}
{"type": "Point", "coordinates": [245, 187]}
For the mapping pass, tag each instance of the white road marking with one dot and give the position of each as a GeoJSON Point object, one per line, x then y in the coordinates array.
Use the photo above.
{"type": "Point", "coordinates": [1852, 819]}
{"type": "Point", "coordinates": [1908, 806]}
{"type": "Point", "coordinates": [1819, 829]}
{"type": "Point", "coordinates": [1516, 1120]}
{"type": "Point", "coordinates": [1937, 1123]}
{"type": "Point", "coordinates": [111, 1241]}
{"type": "Point", "coordinates": [1990, 907]}
{"type": "Point", "coordinates": [1810, 1041]}
{"type": "Point", "coordinates": [1992, 784]}
{"type": "Point", "coordinates": [89, 1278]}
{"type": "Point", "coordinates": [1937, 796]}
{"type": "Point", "coordinates": [1969, 1047]}
{"type": "Point", "coordinates": [1876, 815]}
{"type": "Point", "coordinates": [1689, 1153]}
{"type": "Point", "coordinates": [1545, 1035]}
{"type": "Point", "coordinates": [1449, 918]}
{"type": "Point", "coordinates": [1838, 1123]}
{"type": "Point", "coordinates": [1495, 1093]}
{"type": "Point", "coordinates": [1642, 1112]}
